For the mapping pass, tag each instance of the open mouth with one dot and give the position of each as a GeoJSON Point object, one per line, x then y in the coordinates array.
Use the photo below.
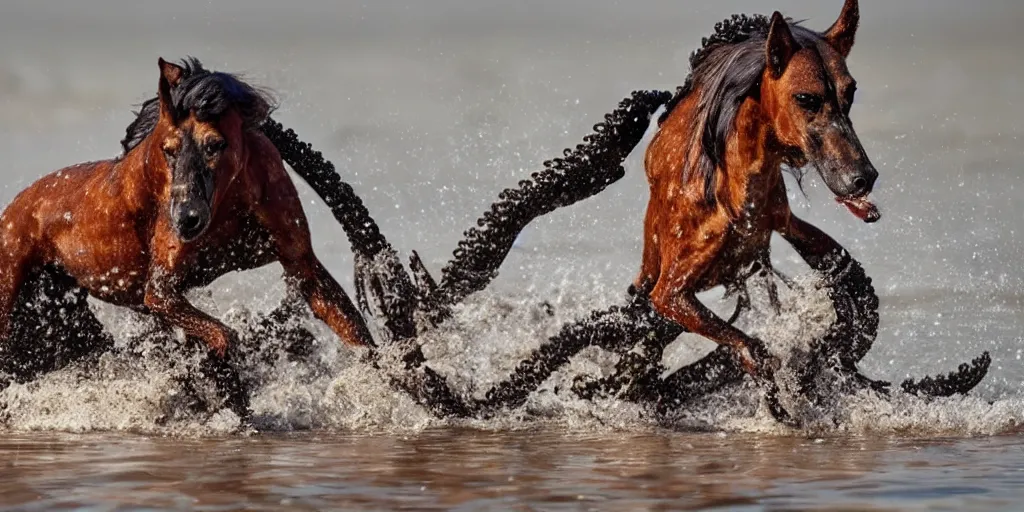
{"type": "Point", "coordinates": [862, 207]}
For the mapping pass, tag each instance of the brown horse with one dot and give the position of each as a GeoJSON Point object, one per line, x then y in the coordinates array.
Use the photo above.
{"type": "Point", "coordinates": [198, 192]}
{"type": "Point", "coordinates": [781, 96]}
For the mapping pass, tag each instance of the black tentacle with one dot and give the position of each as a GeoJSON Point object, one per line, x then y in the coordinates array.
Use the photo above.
{"type": "Point", "coordinates": [605, 328]}
{"type": "Point", "coordinates": [376, 259]}
{"type": "Point", "coordinates": [581, 173]}
{"type": "Point", "coordinates": [964, 379]}
{"type": "Point", "coordinates": [637, 376]}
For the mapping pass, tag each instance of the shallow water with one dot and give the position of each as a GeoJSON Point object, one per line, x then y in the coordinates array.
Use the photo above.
{"type": "Point", "coordinates": [429, 109]}
{"type": "Point", "coordinates": [545, 468]}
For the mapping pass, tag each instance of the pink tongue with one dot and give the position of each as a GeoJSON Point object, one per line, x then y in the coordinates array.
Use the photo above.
{"type": "Point", "coordinates": [862, 207]}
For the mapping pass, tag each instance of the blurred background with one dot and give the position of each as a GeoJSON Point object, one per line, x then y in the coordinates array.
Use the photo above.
{"type": "Point", "coordinates": [430, 108]}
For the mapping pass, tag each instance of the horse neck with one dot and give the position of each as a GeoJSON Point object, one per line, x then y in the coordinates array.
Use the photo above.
{"type": "Point", "coordinates": [142, 183]}
{"type": "Point", "coordinates": [751, 169]}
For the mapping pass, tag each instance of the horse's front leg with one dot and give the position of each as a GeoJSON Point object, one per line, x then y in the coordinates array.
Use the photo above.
{"type": "Point", "coordinates": [685, 268]}
{"type": "Point", "coordinates": [15, 261]}
{"type": "Point", "coordinates": [686, 310]}
{"type": "Point", "coordinates": [326, 298]}
{"type": "Point", "coordinates": [674, 296]}
{"type": "Point", "coordinates": [165, 298]}
{"type": "Point", "coordinates": [282, 216]}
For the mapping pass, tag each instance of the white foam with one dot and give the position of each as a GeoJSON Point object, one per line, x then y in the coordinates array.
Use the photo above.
{"type": "Point", "coordinates": [334, 390]}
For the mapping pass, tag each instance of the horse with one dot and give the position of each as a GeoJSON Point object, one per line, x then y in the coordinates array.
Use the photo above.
{"type": "Point", "coordinates": [582, 172]}
{"type": "Point", "coordinates": [764, 93]}
{"type": "Point", "coordinates": [198, 192]}
{"type": "Point", "coordinates": [781, 95]}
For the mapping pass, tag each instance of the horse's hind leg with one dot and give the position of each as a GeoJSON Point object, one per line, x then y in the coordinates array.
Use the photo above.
{"type": "Point", "coordinates": [82, 335]}
{"type": "Point", "coordinates": [15, 260]}
{"type": "Point", "coordinates": [52, 326]}
{"type": "Point", "coordinates": [222, 372]}
{"type": "Point", "coordinates": [650, 262]}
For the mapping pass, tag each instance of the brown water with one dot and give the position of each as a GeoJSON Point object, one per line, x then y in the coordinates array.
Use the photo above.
{"type": "Point", "coordinates": [542, 469]}
{"type": "Point", "coordinates": [429, 109]}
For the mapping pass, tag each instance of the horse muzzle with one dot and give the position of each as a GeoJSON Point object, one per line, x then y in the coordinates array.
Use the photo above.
{"type": "Point", "coordinates": [190, 219]}
{"type": "Point", "coordinates": [852, 186]}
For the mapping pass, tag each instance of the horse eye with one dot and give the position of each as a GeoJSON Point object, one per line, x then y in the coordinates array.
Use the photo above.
{"type": "Point", "coordinates": [809, 102]}
{"type": "Point", "coordinates": [848, 99]}
{"type": "Point", "coordinates": [213, 148]}
{"type": "Point", "coordinates": [169, 154]}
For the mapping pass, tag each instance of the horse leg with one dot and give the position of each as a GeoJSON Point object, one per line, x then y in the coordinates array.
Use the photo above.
{"type": "Point", "coordinates": [28, 350]}
{"type": "Point", "coordinates": [650, 261]}
{"type": "Point", "coordinates": [378, 269]}
{"type": "Point", "coordinates": [670, 299]}
{"type": "Point", "coordinates": [641, 373]}
{"type": "Point", "coordinates": [15, 259]}
{"type": "Point", "coordinates": [857, 320]}
{"type": "Point", "coordinates": [81, 334]}
{"type": "Point", "coordinates": [281, 214]}
{"type": "Point", "coordinates": [166, 302]}
{"type": "Point", "coordinates": [18, 321]}
{"type": "Point", "coordinates": [743, 304]}
{"type": "Point", "coordinates": [52, 327]}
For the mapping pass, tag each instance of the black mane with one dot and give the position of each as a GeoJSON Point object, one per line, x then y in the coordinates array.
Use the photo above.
{"type": "Point", "coordinates": [726, 69]}
{"type": "Point", "coordinates": [209, 94]}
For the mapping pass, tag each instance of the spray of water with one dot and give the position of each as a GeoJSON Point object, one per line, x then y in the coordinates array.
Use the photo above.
{"type": "Point", "coordinates": [150, 384]}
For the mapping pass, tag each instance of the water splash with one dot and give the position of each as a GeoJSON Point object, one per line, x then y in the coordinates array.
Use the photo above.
{"type": "Point", "coordinates": [150, 384]}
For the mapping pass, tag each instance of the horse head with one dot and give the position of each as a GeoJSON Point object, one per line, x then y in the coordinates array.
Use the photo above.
{"type": "Point", "coordinates": [807, 92]}
{"type": "Point", "coordinates": [199, 136]}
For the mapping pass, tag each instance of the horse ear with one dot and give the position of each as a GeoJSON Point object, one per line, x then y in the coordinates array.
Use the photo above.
{"type": "Point", "coordinates": [170, 76]}
{"type": "Point", "coordinates": [781, 45]}
{"type": "Point", "coordinates": [841, 34]}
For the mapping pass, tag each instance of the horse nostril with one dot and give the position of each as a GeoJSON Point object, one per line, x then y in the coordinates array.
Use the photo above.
{"type": "Point", "coordinates": [860, 183]}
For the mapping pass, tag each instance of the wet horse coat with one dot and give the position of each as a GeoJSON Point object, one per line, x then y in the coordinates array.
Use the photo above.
{"type": "Point", "coordinates": [789, 75]}
{"type": "Point", "coordinates": [199, 192]}
{"type": "Point", "coordinates": [780, 95]}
